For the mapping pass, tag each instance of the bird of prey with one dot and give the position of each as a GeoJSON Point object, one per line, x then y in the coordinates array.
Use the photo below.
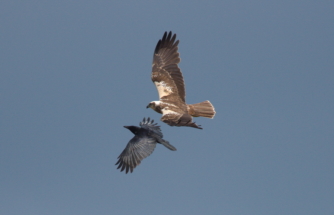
{"type": "Point", "coordinates": [141, 145]}
{"type": "Point", "coordinates": [168, 78]}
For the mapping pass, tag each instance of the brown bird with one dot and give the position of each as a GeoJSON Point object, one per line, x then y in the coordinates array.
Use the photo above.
{"type": "Point", "coordinates": [168, 78]}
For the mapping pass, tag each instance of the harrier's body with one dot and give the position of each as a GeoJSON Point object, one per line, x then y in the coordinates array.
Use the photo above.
{"type": "Point", "coordinates": [141, 145]}
{"type": "Point", "coordinates": [167, 77]}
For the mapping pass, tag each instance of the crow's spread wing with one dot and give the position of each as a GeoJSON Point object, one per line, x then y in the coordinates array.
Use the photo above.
{"type": "Point", "coordinates": [137, 149]}
{"type": "Point", "coordinates": [149, 126]}
{"type": "Point", "coordinates": [166, 75]}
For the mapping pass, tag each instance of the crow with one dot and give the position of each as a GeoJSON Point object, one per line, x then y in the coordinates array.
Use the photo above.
{"type": "Point", "coordinates": [141, 145]}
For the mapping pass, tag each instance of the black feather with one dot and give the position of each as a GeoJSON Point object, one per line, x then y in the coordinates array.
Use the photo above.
{"type": "Point", "coordinates": [141, 145]}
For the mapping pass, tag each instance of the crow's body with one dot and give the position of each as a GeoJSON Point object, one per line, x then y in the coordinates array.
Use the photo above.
{"type": "Point", "coordinates": [141, 145]}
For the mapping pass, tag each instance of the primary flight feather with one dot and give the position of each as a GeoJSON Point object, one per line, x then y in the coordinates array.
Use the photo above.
{"type": "Point", "coordinates": [168, 79]}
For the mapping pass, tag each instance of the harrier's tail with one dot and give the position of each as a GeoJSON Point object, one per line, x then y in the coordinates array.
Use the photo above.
{"type": "Point", "coordinates": [204, 109]}
{"type": "Point", "coordinates": [166, 143]}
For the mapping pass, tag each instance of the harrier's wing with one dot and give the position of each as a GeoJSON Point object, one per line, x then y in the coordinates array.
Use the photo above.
{"type": "Point", "coordinates": [137, 149]}
{"type": "Point", "coordinates": [178, 119]}
{"type": "Point", "coordinates": [166, 74]}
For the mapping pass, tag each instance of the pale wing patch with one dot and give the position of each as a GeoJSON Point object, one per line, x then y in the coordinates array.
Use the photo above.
{"type": "Point", "coordinates": [169, 104]}
{"type": "Point", "coordinates": [163, 88]}
{"type": "Point", "coordinates": [166, 111]}
{"type": "Point", "coordinates": [160, 103]}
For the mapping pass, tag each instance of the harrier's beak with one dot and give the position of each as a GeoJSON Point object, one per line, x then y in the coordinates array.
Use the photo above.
{"type": "Point", "coordinates": [148, 106]}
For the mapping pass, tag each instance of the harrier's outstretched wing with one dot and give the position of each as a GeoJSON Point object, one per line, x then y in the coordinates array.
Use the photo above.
{"type": "Point", "coordinates": [166, 74]}
{"type": "Point", "coordinates": [137, 149]}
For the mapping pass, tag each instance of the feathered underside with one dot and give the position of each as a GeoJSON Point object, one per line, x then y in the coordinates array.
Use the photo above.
{"type": "Point", "coordinates": [173, 115]}
{"type": "Point", "coordinates": [177, 119]}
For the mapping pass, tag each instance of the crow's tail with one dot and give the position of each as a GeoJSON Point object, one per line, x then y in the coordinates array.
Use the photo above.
{"type": "Point", "coordinates": [167, 145]}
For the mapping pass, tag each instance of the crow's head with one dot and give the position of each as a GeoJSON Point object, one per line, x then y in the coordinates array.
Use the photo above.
{"type": "Point", "coordinates": [133, 129]}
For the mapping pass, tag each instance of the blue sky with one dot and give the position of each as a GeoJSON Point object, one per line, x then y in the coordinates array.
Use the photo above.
{"type": "Point", "coordinates": [73, 73]}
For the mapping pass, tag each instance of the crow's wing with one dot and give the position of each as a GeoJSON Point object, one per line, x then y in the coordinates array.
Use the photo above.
{"type": "Point", "coordinates": [150, 127]}
{"type": "Point", "coordinates": [137, 149]}
{"type": "Point", "coordinates": [166, 75]}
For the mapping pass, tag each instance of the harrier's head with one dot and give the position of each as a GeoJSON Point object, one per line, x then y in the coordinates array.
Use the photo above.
{"type": "Point", "coordinates": [151, 105]}
{"type": "Point", "coordinates": [155, 105]}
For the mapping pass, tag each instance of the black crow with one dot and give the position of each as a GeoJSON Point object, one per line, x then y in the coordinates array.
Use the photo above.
{"type": "Point", "coordinates": [141, 145]}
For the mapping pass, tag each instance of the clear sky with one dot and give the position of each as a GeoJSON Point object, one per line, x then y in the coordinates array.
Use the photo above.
{"type": "Point", "coordinates": [73, 73]}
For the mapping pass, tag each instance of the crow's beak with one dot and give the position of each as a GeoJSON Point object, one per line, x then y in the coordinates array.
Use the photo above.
{"type": "Point", "coordinates": [126, 127]}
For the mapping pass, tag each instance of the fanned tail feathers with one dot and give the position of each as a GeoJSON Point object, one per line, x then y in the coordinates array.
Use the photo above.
{"type": "Point", "coordinates": [204, 109]}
